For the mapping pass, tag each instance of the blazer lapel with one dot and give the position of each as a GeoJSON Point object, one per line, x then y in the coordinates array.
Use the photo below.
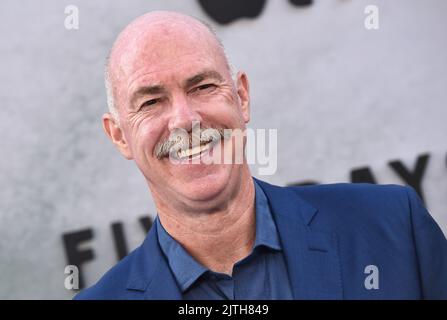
{"type": "Point", "coordinates": [150, 272]}
{"type": "Point", "coordinates": [311, 255]}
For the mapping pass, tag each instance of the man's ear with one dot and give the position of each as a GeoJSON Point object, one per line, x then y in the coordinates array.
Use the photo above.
{"type": "Point", "coordinates": [243, 91]}
{"type": "Point", "coordinates": [115, 133]}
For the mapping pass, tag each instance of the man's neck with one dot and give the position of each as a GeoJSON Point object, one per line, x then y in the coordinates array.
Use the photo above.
{"type": "Point", "coordinates": [220, 238]}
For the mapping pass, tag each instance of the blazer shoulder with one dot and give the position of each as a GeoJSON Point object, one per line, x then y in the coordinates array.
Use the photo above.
{"type": "Point", "coordinates": [360, 203]}
{"type": "Point", "coordinates": [353, 194]}
{"type": "Point", "coordinates": [112, 285]}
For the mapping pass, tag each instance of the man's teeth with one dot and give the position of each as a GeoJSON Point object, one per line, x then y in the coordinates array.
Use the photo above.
{"type": "Point", "coordinates": [193, 151]}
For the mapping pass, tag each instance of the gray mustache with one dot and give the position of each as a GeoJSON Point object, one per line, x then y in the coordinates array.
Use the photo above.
{"type": "Point", "coordinates": [180, 139]}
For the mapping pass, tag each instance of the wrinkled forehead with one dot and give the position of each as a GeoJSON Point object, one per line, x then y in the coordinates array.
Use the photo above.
{"type": "Point", "coordinates": [160, 45]}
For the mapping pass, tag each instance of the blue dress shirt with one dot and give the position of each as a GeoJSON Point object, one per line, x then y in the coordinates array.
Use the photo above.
{"type": "Point", "coordinates": [261, 275]}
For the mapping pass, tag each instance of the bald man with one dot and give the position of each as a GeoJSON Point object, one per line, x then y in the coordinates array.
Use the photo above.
{"type": "Point", "coordinates": [221, 234]}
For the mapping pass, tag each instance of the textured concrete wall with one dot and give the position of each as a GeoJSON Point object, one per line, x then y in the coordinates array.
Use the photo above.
{"type": "Point", "coordinates": [342, 98]}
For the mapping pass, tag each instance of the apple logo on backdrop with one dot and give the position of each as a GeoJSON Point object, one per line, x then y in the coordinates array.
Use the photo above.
{"type": "Point", "coordinates": [301, 2]}
{"type": "Point", "coordinates": [227, 11]}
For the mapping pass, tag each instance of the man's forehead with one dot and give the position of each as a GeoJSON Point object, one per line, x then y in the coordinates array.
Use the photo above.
{"type": "Point", "coordinates": [166, 56]}
{"type": "Point", "coordinates": [179, 67]}
{"type": "Point", "coordinates": [182, 75]}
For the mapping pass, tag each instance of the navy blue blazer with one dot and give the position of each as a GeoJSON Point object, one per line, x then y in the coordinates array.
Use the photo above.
{"type": "Point", "coordinates": [340, 241]}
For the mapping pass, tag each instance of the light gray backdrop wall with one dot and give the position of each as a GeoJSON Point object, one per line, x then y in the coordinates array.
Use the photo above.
{"type": "Point", "coordinates": [341, 97]}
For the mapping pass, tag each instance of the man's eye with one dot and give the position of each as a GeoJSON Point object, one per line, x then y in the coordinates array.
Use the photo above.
{"type": "Point", "coordinates": [149, 103]}
{"type": "Point", "coordinates": [205, 88]}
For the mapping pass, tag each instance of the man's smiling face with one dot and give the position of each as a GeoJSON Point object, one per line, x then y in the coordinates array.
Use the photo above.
{"type": "Point", "coordinates": [168, 72]}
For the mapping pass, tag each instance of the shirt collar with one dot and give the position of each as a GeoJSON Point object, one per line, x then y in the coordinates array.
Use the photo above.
{"type": "Point", "coordinates": [187, 270]}
{"type": "Point", "coordinates": [266, 232]}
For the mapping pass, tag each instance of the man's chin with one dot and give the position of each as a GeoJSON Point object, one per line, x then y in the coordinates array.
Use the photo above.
{"type": "Point", "coordinates": [205, 184]}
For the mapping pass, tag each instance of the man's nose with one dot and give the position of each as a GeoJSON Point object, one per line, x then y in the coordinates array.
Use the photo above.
{"type": "Point", "coordinates": [183, 115]}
